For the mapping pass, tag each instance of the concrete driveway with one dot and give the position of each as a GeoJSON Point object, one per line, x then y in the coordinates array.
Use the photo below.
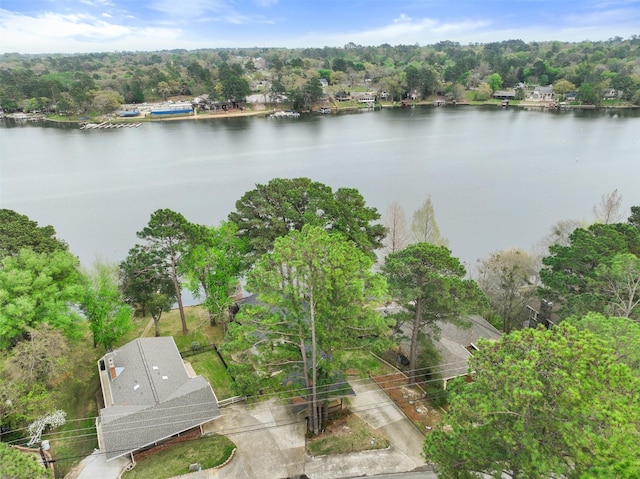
{"type": "Point", "coordinates": [96, 466]}
{"type": "Point", "coordinates": [271, 444]}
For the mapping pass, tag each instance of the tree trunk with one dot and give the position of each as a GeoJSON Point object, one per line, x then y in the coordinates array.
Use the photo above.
{"type": "Point", "coordinates": [413, 349]}
{"type": "Point", "coordinates": [156, 325]}
{"type": "Point", "coordinates": [176, 285]}
{"type": "Point", "coordinates": [315, 417]}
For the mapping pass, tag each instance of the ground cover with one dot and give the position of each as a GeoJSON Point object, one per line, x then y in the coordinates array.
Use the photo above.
{"type": "Point", "coordinates": [413, 401]}
{"type": "Point", "coordinates": [208, 451]}
{"type": "Point", "coordinates": [209, 366]}
{"type": "Point", "coordinates": [74, 393]}
{"type": "Point", "coordinates": [346, 433]}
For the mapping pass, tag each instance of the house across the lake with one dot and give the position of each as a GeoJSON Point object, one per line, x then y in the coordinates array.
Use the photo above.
{"type": "Point", "coordinates": [149, 396]}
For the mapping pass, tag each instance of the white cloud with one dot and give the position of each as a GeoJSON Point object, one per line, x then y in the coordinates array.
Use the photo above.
{"type": "Point", "coordinates": [59, 33]}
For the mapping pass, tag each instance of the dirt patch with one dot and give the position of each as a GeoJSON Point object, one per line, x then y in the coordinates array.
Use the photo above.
{"type": "Point", "coordinates": [411, 399]}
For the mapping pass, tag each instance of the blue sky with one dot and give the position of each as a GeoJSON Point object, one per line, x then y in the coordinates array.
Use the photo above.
{"type": "Point", "coordinates": [72, 26]}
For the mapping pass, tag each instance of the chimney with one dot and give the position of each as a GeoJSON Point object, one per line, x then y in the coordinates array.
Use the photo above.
{"type": "Point", "coordinates": [112, 368]}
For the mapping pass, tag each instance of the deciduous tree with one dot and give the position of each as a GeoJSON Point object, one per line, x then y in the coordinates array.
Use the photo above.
{"type": "Point", "coordinates": [397, 226]}
{"type": "Point", "coordinates": [543, 403]}
{"type": "Point", "coordinates": [212, 264]}
{"type": "Point", "coordinates": [109, 316]}
{"type": "Point", "coordinates": [424, 226]}
{"type": "Point", "coordinates": [609, 210]}
{"type": "Point", "coordinates": [508, 278]}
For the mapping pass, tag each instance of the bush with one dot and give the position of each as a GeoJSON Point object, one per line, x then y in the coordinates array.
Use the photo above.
{"type": "Point", "coordinates": [195, 346]}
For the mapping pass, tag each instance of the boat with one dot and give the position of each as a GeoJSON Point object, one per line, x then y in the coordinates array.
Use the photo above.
{"type": "Point", "coordinates": [285, 114]}
{"type": "Point", "coordinates": [129, 113]}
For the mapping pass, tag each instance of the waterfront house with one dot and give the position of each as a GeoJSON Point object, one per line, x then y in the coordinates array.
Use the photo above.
{"type": "Point", "coordinates": [149, 396]}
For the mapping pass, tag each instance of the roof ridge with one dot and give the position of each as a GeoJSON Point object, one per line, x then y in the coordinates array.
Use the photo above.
{"type": "Point", "coordinates": [146, 370]}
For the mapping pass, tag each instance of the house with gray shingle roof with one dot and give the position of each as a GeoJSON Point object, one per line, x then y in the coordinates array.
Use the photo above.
{"type": "Point", "coordinates": [149, 396]}
{"type": "Point", "coordinates": [457, 343]}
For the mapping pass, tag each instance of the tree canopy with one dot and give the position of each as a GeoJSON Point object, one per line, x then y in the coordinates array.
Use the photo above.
{"type": "Point", "coordinates": [315, 290]}
{"type": "Point", "coordinates": [428, 283]}
{"type": "Point", "coordinates": [283, 205]}
{"type": "Point", "coordinates": [167, 234]}
{"type": "Point", "coordinates": [108, 315]}
{"type": "Point", "coordinates": [19, 465]}
{"type": "Point", "coordinates": [212, 265]}
{"type": "Point", "coordinates": [543, 403]}
{"type": "Point", "coordinates": [38, 288]}
{"type": "Point", "coordinates": [18, 231]}
{"type": "Point", "coordinates": [508, 279]}
{"type": "Point", "coordinates": [144, 283]}
{"type": "Point", "coordinates": [589, 273]}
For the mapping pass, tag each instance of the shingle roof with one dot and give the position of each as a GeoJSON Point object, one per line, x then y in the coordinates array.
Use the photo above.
{"type": "Point", "coordinates": [152, 397]}
{"type": "Point", "coordinates": [454, 342]}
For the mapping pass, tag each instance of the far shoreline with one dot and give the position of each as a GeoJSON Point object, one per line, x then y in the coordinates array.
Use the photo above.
{"type": "Point", "coordinates": [266, 112]}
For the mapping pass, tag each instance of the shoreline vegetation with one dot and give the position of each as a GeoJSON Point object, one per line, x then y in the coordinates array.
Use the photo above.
{"type": "Point", "coordinates": [265, 111]}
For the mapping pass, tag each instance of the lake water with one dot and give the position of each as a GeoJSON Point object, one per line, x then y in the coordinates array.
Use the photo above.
{"type": "Point", "coordinates": [497, 178]}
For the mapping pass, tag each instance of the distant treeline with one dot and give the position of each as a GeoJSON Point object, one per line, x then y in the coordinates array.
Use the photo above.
{"type": "Point", "coordinates": [101, 82]}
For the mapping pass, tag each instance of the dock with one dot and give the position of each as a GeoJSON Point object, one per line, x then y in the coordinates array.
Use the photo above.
{"type": "Point", "coordinates": [107, 124]}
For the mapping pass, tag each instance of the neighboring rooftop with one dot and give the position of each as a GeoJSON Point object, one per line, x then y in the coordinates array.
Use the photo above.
{"type": "Point", "coordinates": [149, 396]}
{"type": "Point", "coordinates": [456, 343]}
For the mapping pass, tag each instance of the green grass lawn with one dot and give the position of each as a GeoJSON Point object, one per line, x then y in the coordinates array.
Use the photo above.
{"type": "Point", "coordinates": [208, 451]}
{"type": "Point", "coordinates": [209, 366]}
{"type": "Point", "coordinates": [347, 433]}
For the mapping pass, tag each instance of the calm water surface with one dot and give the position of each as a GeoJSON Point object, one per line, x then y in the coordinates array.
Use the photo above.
{"type": "Point", "coordinates": [497, 178]}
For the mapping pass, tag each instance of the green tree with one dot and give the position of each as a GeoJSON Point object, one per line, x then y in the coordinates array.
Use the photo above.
{"type": "Point", "coordinates": [18, 231]}
{"type": "Point", "coordinates": [495, 81]}
{"type": "Point", "coordinates": [282, 205]}
{"type": "Point", "coordinates": [106, 101]}
{"type": "Point", "coordinates": [109, 317]}
{"type": "Point", "coordinates": [562, 87]}
{"type": "Point", "coordinates": [308, 95]}
{"type": "Point", "coordinates": [508, 279]}
{"type": "Point", "coordinates": [18, 465]}
{"type": "Point", "coordinates": [570, 277]}
{"type": "Point", "coordinates": [38, 288]}
{"type": "Point", "coordinates": [590, 93]}
{"type": "Point", "coordinates": [212, 264]}
{"type": "Point", "coordinates": [145, 285]}
{"type": "Point", "coordinates": [424, 227]}
{"type": "Point", "coordinates": [316, 290]}
{"type": "Point", "coordinates": [634, 219]}
{"type": "Point", "coordinates": [167, 234]}
{"type": "Point", "coordinates": [543, 403]}
{"type": "Point", "coordinates": [620, 335]}
{"type": "Point", "coordinates": [428, 283]}
{"type": "Point", "coordinates": [483, 93]}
